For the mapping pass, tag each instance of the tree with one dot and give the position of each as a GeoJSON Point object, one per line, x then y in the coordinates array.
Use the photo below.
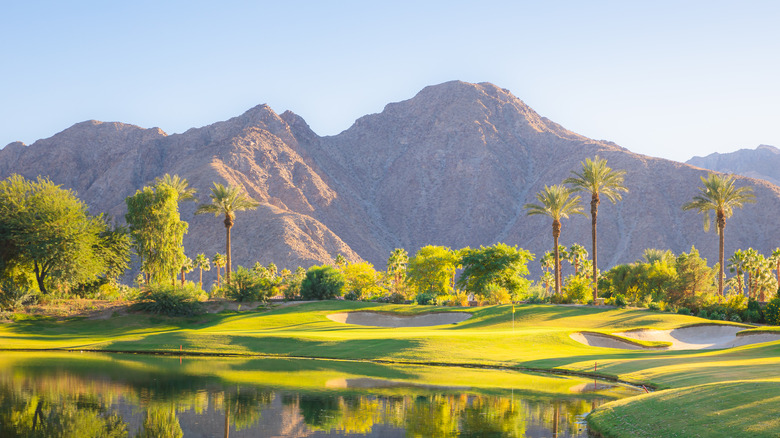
{"type": "Point", "coordinates": [180, 185]}
{"type": "Point", "coordinates": [361, 280]}
{"type": "Point", "coordinates": [340, 261]}
{"type": "Point", "coordinates": [322, 283]}
{"type": "Point", "coordinates": [202, 263]}
{"type": "Point", "coordinates": [599, 180]}
{"type": "Point", "coordinates": [502, 265]}
{"type": "Point", "coordinates": [48, 231]}
{"type": "Point", "coordinates": [775, 259]}
{"type": "Point", "coordinates": [219, 261]}
{"type": "Point", "coordinates": [556, 202]}
{"type": "Point", "coordinates": [577, 254]}
{"type": "Point", "coordinates": [157, 230]}
{"type": "Point", "coordinates": [186, 267]}
{"type": "Point", "coordinates": [737, 267]}
{"type": "Point", "coordinates": [227, 201]}
{"type": "Point", "coordinates": [431, 269]}
{"type": "Point", "coordinates": [719, 195]}
{"type": "Point", "coordinates": [694, 278]}
{"type": "Point", "coordinates": [396, 266]}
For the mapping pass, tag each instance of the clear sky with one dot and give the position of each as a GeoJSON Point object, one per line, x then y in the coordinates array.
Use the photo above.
{"type": "Point", "coordinates": [665, 78]}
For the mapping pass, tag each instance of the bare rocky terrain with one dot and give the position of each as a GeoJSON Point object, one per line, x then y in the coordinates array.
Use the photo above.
{"type": "Point", "coordinates": [452, 166]}
{"type": "Point", "coordinates": [762, 162]}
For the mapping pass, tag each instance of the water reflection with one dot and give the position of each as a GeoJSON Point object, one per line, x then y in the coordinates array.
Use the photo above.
{"type": "Point", "coordinates": [70, 395]}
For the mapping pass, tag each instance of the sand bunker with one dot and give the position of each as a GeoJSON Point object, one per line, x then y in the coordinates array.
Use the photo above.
{"type": "Point", "coordinates": [374, 319]}
{"type": "Point", "coordinates": [698, 337]}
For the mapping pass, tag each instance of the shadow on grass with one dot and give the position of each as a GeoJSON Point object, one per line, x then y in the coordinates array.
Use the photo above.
{"type": "Point", "coordinates": [170, 342]}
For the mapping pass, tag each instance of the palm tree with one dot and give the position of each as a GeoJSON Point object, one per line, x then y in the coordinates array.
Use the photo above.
{"type": "Point", "coordinates": [737, 267]}
{"type": "Point", "coordinates": [181, 185]}
{"type": "Point", "coordinates": [219, 261]}
{"type": "Point", "coordinates": [396, 266]}
{"type": "Point", "coordinates": [558, 203]}
{"type": "Point", "coordinates": [204, 264]}
{"type": "Point", "coordinates": [598, 179]}
{"type": "Point", "coordinates": [775, 258]}
{"type": "Point", "coordinates": [187, 266]}
{"type": "Point", "coordinates": [227, 200]}
{"type": "Point", "coordinates": [340, 261]}
{"type": "Point", "coordinates": [752, 265]}
{"type": "Point", "coordinates": [577, 255]}
{"type": "Point", "coordinates": [719, 195]}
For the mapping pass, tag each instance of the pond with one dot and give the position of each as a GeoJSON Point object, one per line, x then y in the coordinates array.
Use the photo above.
{"type": "Point", "coordinates": [100, 395]}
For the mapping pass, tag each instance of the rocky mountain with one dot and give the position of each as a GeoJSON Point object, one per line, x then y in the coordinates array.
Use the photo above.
{"type": "Point", "coordinates": [452, 166]}
{"type": "Point", "coordinates": [762, 162]}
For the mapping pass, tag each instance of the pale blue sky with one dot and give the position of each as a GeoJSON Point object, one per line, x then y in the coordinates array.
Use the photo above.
{"type": "Point", "coordinates": [664, 78]}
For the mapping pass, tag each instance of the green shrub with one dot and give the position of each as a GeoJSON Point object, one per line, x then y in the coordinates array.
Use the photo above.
{"type": "Point", "coordinates": [751, 316]}
{"type": "Point", "coordinates": [322, 283]}
{"type": "Point", "coordinates": [492, 294]}
{"type": "Point", "coordinates": [703, 314]}
{"type": "Point", "coordinates": [683, 311]}
{"type": "Point", "coordinates": [735, 318]}
{"type": "Point", "coordinates": [166, 299]}
{"type": "Point", "coordinates": [247, 286]}
{"type": "Point", "coordinates": [618, 300]}
{"type": "Point", "coordinates": [654, 306]}
{"type": "Point", "coordinates": [352, 296]}
{"type": "Point", "coordinates": [772, 311]}
{"type": "Point", "coordinates": [578, 289]}
{"type": "Point", "coordinates": [425, 298]}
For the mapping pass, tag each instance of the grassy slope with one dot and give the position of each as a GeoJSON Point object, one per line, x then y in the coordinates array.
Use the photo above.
{"type": "Point", "coordinates": [539, 340]}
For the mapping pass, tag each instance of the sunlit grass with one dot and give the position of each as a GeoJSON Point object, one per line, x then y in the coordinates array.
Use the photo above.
{"type": "Point", "coordinates": [538, 338]}
{"type": "Point", "coordinates": [725, 409]}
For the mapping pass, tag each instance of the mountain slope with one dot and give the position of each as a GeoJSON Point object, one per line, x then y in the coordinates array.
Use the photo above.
{"type": "Point", "coordinates": [762, 162]}
{"type": "Point", "coordinates": [452, 166]}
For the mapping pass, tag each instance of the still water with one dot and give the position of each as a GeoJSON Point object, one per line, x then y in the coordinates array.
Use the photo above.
{"type": "Point", "coordinates": [98, 395]}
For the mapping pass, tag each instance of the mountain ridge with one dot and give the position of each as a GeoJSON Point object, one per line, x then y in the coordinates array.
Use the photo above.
{"type": "Point", "coordinates": [453, 165]}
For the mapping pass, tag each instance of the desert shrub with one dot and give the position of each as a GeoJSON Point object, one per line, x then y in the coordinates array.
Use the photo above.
{"type": "Point", "coordinates": [654, 306]}
{"type": "Point", "coordinates": [755, 307]}
{"type": "Point", "coordinates": [703, 314]}
{"type": "Point", "coordinates": [492, 294]}
{"type": "Point", "coordinates": [735, 318]}
{"type": "Point", "coordinates": [13, 297]}
{"type": "Point", "coordinates": [425, 298]}
{"type": "Point", "coordinates": [459, 298]}
{"type": "Point", "coordinates": [246, 285]}
{"type": "Point", "coordinates": [751, 316]}
{"type": "Point", "coordinates": [352, 296]}
{"type": "Point", "coordinates": [683, 311]}
{"type": "Point", "coordinates": [578, 289]}
{"type": "Point", "coordinates": [618, 300]}
{"type": "Point", "coordinates": [170, 300]}
{"type": "Point", "coordinates": [322, 283]}
{"type": "Point", "coordinates": [772, 311]}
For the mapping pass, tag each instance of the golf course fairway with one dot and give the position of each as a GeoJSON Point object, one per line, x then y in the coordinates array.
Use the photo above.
{"type": "Point", "coordinates": [704, 392]}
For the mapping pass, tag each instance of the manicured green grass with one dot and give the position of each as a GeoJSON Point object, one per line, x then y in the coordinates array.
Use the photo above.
{"type": "Point", "coordinates": [726, 409]}
{"type": "Point", "coordinates": [539, 338]}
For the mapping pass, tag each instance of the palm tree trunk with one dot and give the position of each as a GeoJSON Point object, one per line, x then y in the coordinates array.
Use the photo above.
{"type": "Point", "coordinates": [228, 226]}
{"type": "Point", "coordinates": [182, 277]}
{"type": "Point", "coordinates": [556, 233]}
{"type": "Point", "coordinates": [594, 212]}
{"type": "Point", "coordinates": [200, 282]}
{"type": "Point", "coordinates": [219, 277]}
{"type": "Point", "coordinates": [739, 281]}
{"type": "Point", "coordinates": [721, 244]}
